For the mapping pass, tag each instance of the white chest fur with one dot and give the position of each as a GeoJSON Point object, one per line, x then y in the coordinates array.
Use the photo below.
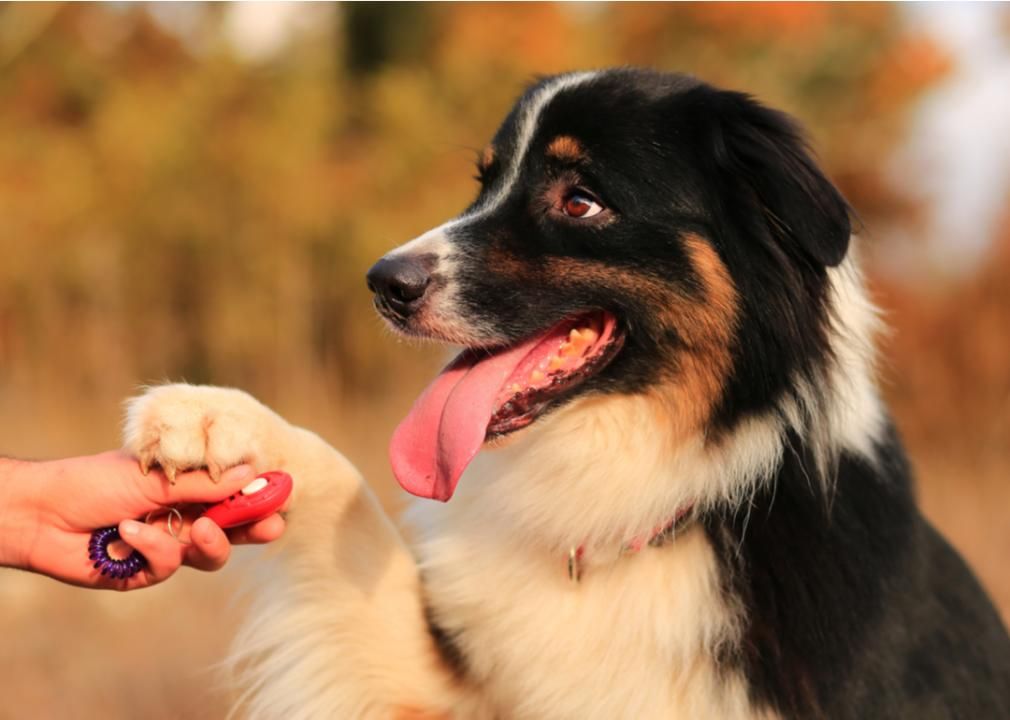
{"type": "Point", "coordinates": [638, 637]}
{"type": "Point", "coordinates": [641, 635]}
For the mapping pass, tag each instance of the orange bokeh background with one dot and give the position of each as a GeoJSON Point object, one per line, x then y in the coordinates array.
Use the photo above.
{"type": "Point", "coordinates": [195, 192]}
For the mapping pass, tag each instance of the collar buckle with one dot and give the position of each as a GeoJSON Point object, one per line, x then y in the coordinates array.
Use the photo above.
{"type": "Point", "coordinates": [659, 537]}
{"type": "Point", "coordinates": [575, 564]}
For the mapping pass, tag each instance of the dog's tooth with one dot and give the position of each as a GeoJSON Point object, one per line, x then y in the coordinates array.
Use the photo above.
{"type": "Point", "coordinates": [537, 376]}
{"type": "Point", "coordinates": [569, 349]}
{"type": "Point", "coordinates": [515, 387]}
{"type": "Point", "coordinates": [582, 338]}
{"type": "Point", "coordinates": [556, 363]}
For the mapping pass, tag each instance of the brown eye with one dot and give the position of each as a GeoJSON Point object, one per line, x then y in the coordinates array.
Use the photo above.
{"type": "Point", "coordinates": [580, 204]}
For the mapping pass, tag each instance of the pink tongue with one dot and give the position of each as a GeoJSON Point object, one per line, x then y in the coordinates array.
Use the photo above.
{"type": "Point", "coordinates": [446, 427]}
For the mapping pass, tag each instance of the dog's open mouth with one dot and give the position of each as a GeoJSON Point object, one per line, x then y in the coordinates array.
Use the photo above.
{"type": "Point", "coordinates": [485, 394]}
{"type": "Point", "coordinates": [562, 358]}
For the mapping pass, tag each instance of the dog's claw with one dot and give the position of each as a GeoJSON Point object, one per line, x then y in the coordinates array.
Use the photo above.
{"type": "Point", "coordinates": [148, 457]}
{"type": "Point", "coordinates": [214, 470]}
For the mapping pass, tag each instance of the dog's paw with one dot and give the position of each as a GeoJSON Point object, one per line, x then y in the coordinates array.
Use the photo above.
{"type": "Point", "coordinates": [182, 427]}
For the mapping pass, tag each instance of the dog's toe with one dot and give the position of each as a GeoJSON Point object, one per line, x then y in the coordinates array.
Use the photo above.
{"type": "Point", "coordinates": [184, 427]}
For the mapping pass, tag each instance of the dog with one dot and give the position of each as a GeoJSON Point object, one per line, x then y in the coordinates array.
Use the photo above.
{"type": "Point", "coordinates": [675, 491]}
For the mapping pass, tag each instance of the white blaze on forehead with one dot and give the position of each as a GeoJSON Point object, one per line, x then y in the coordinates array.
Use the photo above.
{"type": "Point", "coordinates": [444, 305]}
{"type": "Point", "coordinates": [433, 242]}
{"type": "Point", "coordinates": [527, 126]}
{"type": "Point", "coordinates": [436, 240]}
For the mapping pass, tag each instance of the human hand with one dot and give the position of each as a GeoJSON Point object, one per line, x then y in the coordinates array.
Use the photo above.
{"type": "Point", "coordinates": [50, 509]}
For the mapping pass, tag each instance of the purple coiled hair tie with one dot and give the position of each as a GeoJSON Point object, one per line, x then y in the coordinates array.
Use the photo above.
{"type": "Point", "coordinates": [98, 551]}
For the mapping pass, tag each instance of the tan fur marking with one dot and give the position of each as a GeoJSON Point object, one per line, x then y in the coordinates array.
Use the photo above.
{"type": "Point", "coordinates": [707, 329]}
{"type": "Point", "coordinates": [705, 325]}
{"type": "Point", "coordinates": [565, 147]}
{"type": "Point", "coordinates": [508, 264]}
{"type": "Point", "coordinates": [486, 158]}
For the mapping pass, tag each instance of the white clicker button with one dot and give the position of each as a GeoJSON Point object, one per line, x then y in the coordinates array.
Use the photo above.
{"type": "Point", "coordinates": [255, 486]}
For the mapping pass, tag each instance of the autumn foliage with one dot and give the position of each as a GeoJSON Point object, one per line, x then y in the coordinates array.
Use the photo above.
{"type": "Point", "coordinates": [174, 208]}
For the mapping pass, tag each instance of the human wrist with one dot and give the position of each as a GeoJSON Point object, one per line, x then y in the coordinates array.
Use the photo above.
{"type": "Point", "coordinates": [20, 489]}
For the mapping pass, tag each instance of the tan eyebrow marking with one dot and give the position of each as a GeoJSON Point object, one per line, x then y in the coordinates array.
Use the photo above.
{"type": "Point", "coordinates": [529, 114]}
{"type": "Point", "coordinates": [486, 158]}
{"type": "Point", "coordinates": [565, 147]}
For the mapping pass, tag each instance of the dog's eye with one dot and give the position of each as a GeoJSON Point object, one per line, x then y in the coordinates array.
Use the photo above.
{"type": "Point", "coordinates": [580, 204]}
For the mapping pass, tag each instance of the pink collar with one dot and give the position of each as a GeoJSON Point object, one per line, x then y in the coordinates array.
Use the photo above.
{"type": "Point", "coordinates": [659, 536]}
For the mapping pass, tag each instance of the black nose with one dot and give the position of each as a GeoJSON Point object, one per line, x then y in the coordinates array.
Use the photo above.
{"type": "Point", "coordinates": [399, 282]}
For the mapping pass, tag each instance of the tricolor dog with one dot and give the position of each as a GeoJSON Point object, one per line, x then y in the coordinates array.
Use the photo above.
{"type": "Point", "coordinates": [657, 482]}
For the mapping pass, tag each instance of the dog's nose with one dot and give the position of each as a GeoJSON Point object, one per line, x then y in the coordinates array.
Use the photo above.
{"type": "Point", "coordinates": [399, 282]}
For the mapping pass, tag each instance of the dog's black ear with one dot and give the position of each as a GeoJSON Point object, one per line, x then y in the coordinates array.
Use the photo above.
{"type": "Point", "coordinates": [763, 160]}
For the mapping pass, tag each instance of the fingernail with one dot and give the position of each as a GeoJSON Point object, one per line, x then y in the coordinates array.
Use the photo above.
{"type": "Point", "coordinates": [129, 527]}
{"type": "Point", "coordinates": [239, 473]}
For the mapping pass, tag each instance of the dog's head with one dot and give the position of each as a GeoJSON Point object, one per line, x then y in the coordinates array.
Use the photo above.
{"type": "Point", "coordinates": [634, 232]}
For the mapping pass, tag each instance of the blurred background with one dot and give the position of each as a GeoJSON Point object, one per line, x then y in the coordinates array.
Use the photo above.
{"type": "Point", "coordinates": [194, 192]}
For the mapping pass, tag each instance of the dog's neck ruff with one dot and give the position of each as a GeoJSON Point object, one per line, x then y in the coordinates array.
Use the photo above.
{"type": "Point", "coordinates": [659, 536]}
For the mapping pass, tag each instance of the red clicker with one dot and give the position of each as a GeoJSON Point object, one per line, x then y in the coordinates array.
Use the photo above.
{"type": "Point", "coordinates": [257, 500]}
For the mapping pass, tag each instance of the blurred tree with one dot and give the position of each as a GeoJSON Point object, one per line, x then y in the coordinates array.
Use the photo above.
{"type": "Point", "coordinates": [171, 206]}
{"type": "Point", "coordinates": [177, 202]}
{"type": "Point", "coordinates": [379, 34]}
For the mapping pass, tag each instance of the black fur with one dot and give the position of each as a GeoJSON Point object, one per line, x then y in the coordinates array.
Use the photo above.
{"type": "Point", "coordinates": [717, 164]}
{"type": "Point", "coordinates": [855, 607]}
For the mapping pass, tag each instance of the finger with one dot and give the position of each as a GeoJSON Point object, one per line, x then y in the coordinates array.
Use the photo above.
{"type": "Point", "coordinates": [257, 533]}
{"type": "Point", "coordinates": [210, 549]}
{"type": "Point", "coordinates": [196, 486]}
{"type": "Point", "coordinates": [162, 552]}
